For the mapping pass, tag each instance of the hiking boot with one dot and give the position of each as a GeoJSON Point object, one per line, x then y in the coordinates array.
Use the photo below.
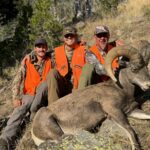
{"type": "Point", "coordinates": [3, 144]}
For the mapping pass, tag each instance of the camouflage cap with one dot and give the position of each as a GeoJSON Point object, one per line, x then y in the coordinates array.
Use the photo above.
{"type": "Point", "coordinates": [69, 30]}
{"type": "Point", "coordinates": [101, 29]}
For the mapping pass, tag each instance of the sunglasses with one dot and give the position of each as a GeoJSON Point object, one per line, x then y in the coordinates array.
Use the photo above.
{"type": "Point", "coordinates": [69, 35]}
{"type": "Point", "coordinates": [102, 35]}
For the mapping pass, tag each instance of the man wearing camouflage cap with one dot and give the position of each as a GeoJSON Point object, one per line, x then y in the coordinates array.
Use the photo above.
{"type": "Point", "coordinates": [69, 60]}
{"type": "Point", "coordinates": [93, 72]}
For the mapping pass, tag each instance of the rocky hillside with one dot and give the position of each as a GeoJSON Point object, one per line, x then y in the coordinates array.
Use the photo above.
{"type": "Point", "coordinates": [131, 23]}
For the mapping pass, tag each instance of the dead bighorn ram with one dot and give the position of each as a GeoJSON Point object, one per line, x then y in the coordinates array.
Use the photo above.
{"type": "Point", "coordinates": [86, 109]}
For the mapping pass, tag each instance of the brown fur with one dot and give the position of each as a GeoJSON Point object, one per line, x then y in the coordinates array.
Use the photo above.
{"type": "Point", "coordinates": [87, 108]}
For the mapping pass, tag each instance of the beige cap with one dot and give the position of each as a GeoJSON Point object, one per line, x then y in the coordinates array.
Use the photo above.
{"type": "Point", "coordinates": [101, 29]}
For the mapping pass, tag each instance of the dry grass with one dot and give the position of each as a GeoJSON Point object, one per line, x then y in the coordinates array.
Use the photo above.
{"type": "Point", "coordinates": [5, 92]}
{"type": "Point", "coordinates": [133, 8]}
{"type": "Point", "coordinates": [129, 22]}
{"type": "Point", "coordinates": [5, 100]}
{"type": "Point", "coordinates": [26, 143]}
{"type": "Point", "coordinates": [132, 23]}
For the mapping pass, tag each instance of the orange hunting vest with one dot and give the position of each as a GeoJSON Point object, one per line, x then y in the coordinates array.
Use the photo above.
{"type": "Point", "coordinates": [78, 61]}
{"type": "Point", "coordinates": [32, 79]}
{"type": "Point", "coordinates": [95, 50]}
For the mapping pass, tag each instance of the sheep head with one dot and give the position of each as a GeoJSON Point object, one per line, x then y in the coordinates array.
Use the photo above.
{"type": "Point", "coordinates": [136, 60]}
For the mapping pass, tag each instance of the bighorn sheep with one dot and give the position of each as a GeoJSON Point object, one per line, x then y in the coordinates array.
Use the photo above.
{"type": "Point", "coordinates": [87, 108]}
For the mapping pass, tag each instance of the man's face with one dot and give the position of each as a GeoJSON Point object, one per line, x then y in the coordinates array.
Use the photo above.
{"type": "Point", "coordinates": [40, 50]}
{"type": "Point", "coordinates": [101, 40]}
{"type": "Point", "coordinates": [70, 39]}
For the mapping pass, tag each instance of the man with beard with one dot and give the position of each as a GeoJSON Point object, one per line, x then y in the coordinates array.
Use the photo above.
{"type": "Point", "coordinates": [29, 91]}
{"type": "Point", "coordinates": [93, 71]}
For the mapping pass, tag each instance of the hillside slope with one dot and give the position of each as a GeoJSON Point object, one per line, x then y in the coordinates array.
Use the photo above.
{"type": "Point", "coordinates": [132, 23]}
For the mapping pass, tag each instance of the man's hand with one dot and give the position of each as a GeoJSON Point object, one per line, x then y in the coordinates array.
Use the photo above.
{"type": "Point", "coordinates": [17, 102]}
{"type": "Point", "coordinates": [119, 42]}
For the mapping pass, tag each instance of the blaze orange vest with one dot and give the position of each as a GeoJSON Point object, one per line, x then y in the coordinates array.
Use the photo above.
{"type": "Point", "coordinates": [33, 79]}
{"type": "Point", "coordinates": [78, 60]}
{"type": "Point", "coordinates": [95, 50]}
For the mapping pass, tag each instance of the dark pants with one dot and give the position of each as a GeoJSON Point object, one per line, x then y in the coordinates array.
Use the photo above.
{"type": "Point", "coordinates": [58, 86]}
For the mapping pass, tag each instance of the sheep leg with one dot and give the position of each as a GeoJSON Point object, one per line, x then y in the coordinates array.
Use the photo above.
{"type": "Point", "coordinates": [120, 119]}
{"type": "Point", "coordinates": [53, 128]}
{"type": "Point", "coordinates": [139, 114]}
{"type": "Point", "coordinates": [45, 126]}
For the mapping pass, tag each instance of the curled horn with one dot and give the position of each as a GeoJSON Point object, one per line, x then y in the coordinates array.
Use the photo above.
{"type": "Point", "coordinates": [127, 51]}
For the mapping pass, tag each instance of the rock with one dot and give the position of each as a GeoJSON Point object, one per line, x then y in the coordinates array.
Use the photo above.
{"type": "Point", "coordinates": [107, 138]}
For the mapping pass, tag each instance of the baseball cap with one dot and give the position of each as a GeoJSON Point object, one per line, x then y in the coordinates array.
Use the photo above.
{"type": "Point", "coordinates": [101, 29]}
{"type": "Point", "coordinates": [69, 30]}
{"type": "Point", "coordinates": [40, 41]}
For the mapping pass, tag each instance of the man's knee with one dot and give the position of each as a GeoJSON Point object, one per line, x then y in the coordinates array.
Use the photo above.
{"type": "Point", "coordinates": [52, 74]}
{"type": "Point", "coordinates": [42, 88]}
{"type": "Point", "coordinates": [88, 69]}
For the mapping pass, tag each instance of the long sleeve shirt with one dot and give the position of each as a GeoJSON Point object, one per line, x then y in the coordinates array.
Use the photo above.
{"type": "Point", "coordinates": [18, 83]}
{"type": "Point", "coordinates": [92, 59]}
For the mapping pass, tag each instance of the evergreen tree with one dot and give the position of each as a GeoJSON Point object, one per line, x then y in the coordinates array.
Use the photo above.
{"type": "Point", "coordinates": [14, 34]}
{"type": "Point", "coordinates": [44, 24]}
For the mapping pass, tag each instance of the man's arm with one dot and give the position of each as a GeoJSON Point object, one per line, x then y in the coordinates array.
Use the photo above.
{"type": "Point", "coordinates": [18, 85]}
{"type": "Point", "coordinates": [91, 58]}
{"type": "Point", "coordinates": [53, 59]}
{"type": "Point", "coordinates": [32, 57]}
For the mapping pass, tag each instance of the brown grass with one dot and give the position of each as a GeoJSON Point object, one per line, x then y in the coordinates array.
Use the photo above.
{"type": "Point", "coordinates": [133, 8]}
{"type": "Point", "coordinates": [26, 142]}
{"type": "Point", "coordinates": [130, 19]}
{"type": "Point", "coordinates": [131, 24]}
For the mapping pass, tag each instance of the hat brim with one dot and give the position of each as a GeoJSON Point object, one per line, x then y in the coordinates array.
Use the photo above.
{"type": "Point", "coordinates": [70, 33]}
{"type": "Point", "coordinates": [101, 32]}
{"type": "Point", "coordinates": [40, 43]}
